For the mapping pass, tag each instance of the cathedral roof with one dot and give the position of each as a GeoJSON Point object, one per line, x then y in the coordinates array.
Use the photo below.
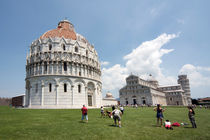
{"type": "Point", "coordinates": [65, 29]}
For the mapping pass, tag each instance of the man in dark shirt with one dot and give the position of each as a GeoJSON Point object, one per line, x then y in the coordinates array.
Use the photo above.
{"type": "Point", "coordinates": [84, 113]}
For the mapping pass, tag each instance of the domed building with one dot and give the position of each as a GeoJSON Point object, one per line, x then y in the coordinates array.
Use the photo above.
{"type": "Point", "coordinates": [109, 100]}
{"type": "Point", "coordinates": [62, 71]}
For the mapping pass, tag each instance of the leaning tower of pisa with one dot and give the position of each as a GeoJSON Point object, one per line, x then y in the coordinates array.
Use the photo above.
{"type": "Point", "coordinates": [184, 82]}
{"type": "Point", "coordinates": [62, 70]}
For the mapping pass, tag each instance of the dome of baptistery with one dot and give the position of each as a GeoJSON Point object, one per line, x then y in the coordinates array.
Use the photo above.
{"type": "Point", "coordinates": [62, 70]}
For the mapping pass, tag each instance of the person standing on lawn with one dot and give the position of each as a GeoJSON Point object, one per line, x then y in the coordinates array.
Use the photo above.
{"type": "Point", "coordinates": [102, 111]}
{"type": "Point", "coordinates": [84, 113]}
{"type": "Point", "coordinates": [191, 115]}
{"type": "Point", "coordinates": [159, 116]}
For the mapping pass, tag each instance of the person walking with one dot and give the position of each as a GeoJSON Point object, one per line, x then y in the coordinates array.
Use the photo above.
{"type": "Point", "coordinates": [117, 116]}
{"type": "Point", "coordinates": [84, 113]}
{"type": "Point", "coordinates": [191, 115]}
{"type": "Point", "coordinates": [159, 115]}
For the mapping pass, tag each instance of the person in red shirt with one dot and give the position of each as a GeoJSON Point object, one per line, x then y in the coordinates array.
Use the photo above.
{"type": "Point", "coordinates": [84, 113]}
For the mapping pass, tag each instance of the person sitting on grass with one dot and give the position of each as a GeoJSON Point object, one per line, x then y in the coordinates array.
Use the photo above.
{"type": "Point", "coordinates": [117, 116]}
{"type": "Point", "coordinates": [168, 125]}
{"type": "Point", "coordinates": [159, 114]}
{"type": "Point", "coordinates": [84, 113]}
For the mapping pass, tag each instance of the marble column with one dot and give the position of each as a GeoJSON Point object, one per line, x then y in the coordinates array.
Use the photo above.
{"type": "Point", "coordinates": [94, 97]}
{"type": "Point", "coordinates": [29, 95]}
{"type": "Point", "coordinates": [56, 94]}
{"type": "Point", "coordinates": [42, 65]}
{"type": "Point", "coordinates": [86, 96]}
{"type": "Point", "coordinates": [70, 68]}
{"type": "Point", "coordinates": [72, 94]}
{"type": "Point", "coordinates": [39, 68]}
{"type": "Point", "coordinates": [42, 95]}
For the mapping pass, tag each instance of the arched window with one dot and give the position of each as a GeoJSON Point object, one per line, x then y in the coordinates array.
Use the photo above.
{"type": "Point", "coordinates": [45, 66]}
{"type": "Point", "coordinates": [50, 47]}
{"type": "Point", "coordinates": [36, 88]}
{"type": "Point", "coordinates": [86, 52]}
{"type": "Point", "coordinates": [65, 87]}
{"type": "Point", "coordinates": [64, 47]}
{"type": "Point", "coordinates": [76, 49]}
{"type": "Point", "coordinates": [50, 87]}
{"type": "Point", "coordinates": [65, 66]}
{"type": "Point", "coordinates": [79, 88]}
{"type": "Point", "coordinates": [79, 73]}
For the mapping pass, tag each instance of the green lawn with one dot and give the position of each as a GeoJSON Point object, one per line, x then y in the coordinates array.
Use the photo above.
{"type": "Point", "coordinates": [65, 124]}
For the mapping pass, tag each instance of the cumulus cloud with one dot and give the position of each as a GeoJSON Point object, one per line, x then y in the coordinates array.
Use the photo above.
{"type": "Point", "coordinates": [143, 60]}
{"type": "Point", "coordinates": [113, 77]}
{"type": "Point", "coordinates": [196, 75]}
{"type": "Point", "coordinates": [104, 63]}
{"type": "Point", "coordinates": [146, 58]}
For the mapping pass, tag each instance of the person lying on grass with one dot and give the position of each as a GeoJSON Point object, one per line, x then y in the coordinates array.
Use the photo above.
{"type": "Point", "coordinates": [168, 125]}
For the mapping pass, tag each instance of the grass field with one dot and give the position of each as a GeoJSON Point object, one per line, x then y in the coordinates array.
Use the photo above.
{"type": "Point", "coordinates": [62, 124]}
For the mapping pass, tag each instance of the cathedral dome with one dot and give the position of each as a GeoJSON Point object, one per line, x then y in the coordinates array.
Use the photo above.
{"type": "Point", "coordinates": [109, 95]}
{"type": "Point", "coordinates": [65, 29]}
{"type": "Point", "coordinates": [151, 78]}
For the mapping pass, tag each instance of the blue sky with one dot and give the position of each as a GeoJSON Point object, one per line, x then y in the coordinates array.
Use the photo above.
{"type": "Point", "coordinates": [117, 29]}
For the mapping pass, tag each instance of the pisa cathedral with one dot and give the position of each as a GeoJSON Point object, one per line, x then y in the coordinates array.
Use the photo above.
{"type": "Point", "coordinates": [62, 71]}
{"type": "Point", "coordinates": [149, 92]}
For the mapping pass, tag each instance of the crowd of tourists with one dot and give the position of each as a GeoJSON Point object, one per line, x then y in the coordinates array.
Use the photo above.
{"type": "Point", "coordinates": [118, 111]}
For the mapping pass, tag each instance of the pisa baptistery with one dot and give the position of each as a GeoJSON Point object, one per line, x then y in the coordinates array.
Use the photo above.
{"type": "Point", "coordinates": [62, 71]}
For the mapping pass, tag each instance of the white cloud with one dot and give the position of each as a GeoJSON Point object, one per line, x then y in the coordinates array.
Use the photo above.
{"type": "Point", "coordinates": [143, 60]}
{"type": "Point", "coordinates": [114, 77]}
{"type": "Point", "coordinates": [104, 63]}
{"type": "Point", "coordinates": [146, 58]}
{"type": "Point", "coordinates": [203, 68]}
{"type": "Point", "coordinates": [196, 75]}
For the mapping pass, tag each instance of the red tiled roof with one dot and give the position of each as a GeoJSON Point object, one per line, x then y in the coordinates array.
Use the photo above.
{"type": "Point", "coordinates": [205, 99]}
{"type": "Point", "coordinates": [64, 29]}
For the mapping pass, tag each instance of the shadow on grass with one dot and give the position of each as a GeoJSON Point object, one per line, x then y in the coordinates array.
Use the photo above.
{"type": "Point", "coordinates": [188, 127]}
{"type": "Point", "coordinates": [112, 125]}
{"type": "Point", "coordinates": [154, 125]}
{"type": "Point", "coordinates": [82, 121]}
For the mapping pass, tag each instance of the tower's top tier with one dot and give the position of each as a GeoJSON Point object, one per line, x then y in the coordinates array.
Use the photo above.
{"type": "Point", "coordinates": [182, 77]}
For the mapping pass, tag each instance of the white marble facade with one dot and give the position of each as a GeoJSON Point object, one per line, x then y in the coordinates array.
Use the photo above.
{"type": "Point", "coordinates": [63, 71]}
{"type": "Point", "coordinates": [148, 92]}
